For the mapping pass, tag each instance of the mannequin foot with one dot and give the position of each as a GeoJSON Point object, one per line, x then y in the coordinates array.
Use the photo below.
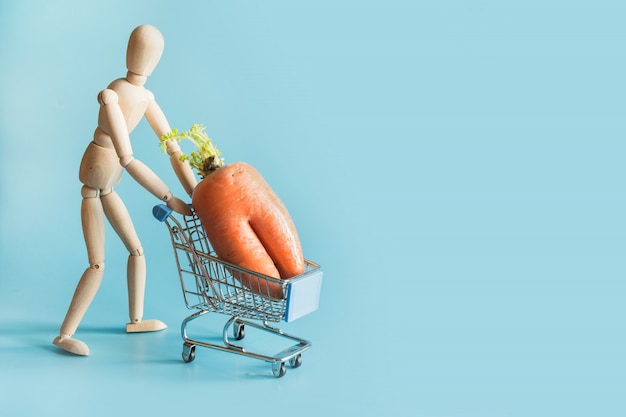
{"type": "Point", "coordinates": [145, 326]}
{"type": "Point", "coordinates": [71, 345]}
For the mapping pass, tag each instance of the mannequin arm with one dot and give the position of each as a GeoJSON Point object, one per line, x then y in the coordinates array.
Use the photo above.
{"type": "Point", "coordinates": [112, 118]}
{"type": "Point", "coordinates": [159, 124]}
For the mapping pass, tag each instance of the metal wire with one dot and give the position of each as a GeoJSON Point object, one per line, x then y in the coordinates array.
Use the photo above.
{"type": "Point", "coordinates": [213, 284]}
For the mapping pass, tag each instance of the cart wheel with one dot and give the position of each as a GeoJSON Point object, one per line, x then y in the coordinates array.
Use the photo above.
{"type": "Point", "coordinates": [239, 331]}
{"type": "Point", "coordinates": [279, 369]}
{"type": "Point", "coordinates": [295, 361]}
{"type": "Point", "coordinates": [189, 352]}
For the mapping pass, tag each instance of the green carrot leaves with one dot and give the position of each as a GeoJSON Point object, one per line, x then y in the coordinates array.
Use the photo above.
{"type": "Point", "coordinates": [205, 158]}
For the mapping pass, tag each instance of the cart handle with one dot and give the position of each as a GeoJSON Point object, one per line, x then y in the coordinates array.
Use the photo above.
{"type": "Point", "coordinates": [161, 212]}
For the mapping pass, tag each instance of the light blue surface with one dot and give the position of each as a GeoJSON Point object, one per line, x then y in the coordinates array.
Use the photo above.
{"type": "Point", "coordinates": [456, 167]}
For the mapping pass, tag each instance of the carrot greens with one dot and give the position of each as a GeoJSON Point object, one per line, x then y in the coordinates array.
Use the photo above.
{"type": "Point", "coordinates": [205, 159]}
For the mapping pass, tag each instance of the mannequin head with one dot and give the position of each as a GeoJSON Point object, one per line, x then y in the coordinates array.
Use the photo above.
{"type": "Point", "coordinates": [145, 47]}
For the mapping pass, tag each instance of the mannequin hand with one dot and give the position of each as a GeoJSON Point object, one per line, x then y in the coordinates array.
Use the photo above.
{"type": "Point", "coordinates": [179, 206]}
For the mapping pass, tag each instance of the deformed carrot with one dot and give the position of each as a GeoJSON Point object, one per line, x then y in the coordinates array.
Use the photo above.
{"type": "Point", "coordinates": [244, 219]}
{"type": "Point", "coordinates": [247, 224]}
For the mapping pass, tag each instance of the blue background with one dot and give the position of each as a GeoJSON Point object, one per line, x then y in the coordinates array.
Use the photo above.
{"type": "Point", "coordinates": [456, 167]}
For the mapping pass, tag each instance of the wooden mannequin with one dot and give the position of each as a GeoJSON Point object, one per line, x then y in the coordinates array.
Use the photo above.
{"type": "Point", "coordinates": [122, 105]}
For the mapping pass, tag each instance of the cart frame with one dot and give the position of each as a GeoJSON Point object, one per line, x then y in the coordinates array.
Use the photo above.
{"type": "Point", "coordinates": [210, 284]}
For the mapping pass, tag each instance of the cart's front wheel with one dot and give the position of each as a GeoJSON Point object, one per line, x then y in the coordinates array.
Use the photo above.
{"type": "Point", "coordinates": [279, 369]}
{"type": "Point", "coordinates": [239, 330]}
{"type": "Point", "coordinates": [189, 352]}
{"type": "Point", "coordinates": [295, 361]}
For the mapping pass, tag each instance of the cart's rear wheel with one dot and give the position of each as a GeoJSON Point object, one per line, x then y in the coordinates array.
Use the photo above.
{"type": "Point", "coordinates": [239, 330]}
{"type": "Point", "coordinates": [189, 352]}
{"type": "Point", "coordinates": [279, 369]}
{"type": "Point", "coordinates": [295, 361]}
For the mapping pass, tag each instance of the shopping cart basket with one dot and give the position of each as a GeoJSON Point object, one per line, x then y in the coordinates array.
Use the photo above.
{"type": "Point", "coordinates": [210, 284]}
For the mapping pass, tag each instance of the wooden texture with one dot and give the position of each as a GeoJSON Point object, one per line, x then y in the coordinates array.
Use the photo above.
{"type": "Point", "coordinates": [123, 104]}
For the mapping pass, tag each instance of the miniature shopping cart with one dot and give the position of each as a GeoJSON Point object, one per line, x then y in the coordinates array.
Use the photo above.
{"type": "Point", "coordinates": [210, 284]}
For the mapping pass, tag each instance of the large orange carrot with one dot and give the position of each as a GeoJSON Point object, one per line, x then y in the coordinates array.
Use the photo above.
{"type": "Point", "coordinates": [247, 224]}
{"type": "Point", "coordinates": [245, 221]}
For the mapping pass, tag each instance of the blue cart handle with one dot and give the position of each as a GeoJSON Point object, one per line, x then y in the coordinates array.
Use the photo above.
{"type": "Point", "coordinates": [161, 212]}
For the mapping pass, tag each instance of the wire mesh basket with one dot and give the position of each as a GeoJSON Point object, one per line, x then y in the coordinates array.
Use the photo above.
{"type": "Point", "coordinates": [210, 284]}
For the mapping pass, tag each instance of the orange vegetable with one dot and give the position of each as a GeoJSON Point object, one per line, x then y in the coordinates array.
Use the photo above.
{"type": "Point", "coordinates": [245, 221]}
{"type": "Point", "coordinates": [248, 225]}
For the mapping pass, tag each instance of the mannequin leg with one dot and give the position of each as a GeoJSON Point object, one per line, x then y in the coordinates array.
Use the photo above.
{"type": "Point", "coordinates": [136, 286]}
{"type": "Point", "coordinates": [93, 231]}
{"type": "Point", "coordinates": [120, 220]}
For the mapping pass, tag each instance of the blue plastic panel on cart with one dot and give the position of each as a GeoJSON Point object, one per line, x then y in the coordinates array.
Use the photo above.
{"type": "Point", "coordinates": [303, 295]}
